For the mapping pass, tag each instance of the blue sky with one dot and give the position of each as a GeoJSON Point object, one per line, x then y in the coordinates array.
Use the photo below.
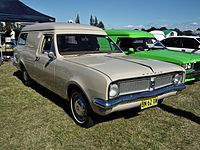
{"type": "Point", "coordinates": [122, 13]}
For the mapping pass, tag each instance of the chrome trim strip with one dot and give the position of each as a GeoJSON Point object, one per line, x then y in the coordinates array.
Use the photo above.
{"type": "Point", "coordinates": [122, 99]}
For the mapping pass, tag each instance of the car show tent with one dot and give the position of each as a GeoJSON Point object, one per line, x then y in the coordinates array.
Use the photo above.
{"type": "Point", "coordinates": [160, 35]}
{"type": "Point", "coordinates": [16, 11]}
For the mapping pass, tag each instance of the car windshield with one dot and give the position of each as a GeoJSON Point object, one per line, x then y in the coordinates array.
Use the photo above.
{"type": "Point", "coordinates": [85, 44]}
{"type": "Point", "coordinates": [140, 44]}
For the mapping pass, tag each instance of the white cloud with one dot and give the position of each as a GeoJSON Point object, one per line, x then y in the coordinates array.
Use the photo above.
{"type": "Point", "coordinates": [194, 23]}
{"type": "Point", "coordinates": [134, 27]}
{"type": "Point", "coordinates": [129, 26]}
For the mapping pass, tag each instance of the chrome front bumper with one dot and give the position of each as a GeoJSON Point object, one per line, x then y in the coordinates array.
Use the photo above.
{"type": "Point", "coordinates": [104, 107]}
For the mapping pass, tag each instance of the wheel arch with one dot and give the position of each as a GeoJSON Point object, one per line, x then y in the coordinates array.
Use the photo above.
{"type": "Point", "coordinates": [74, 85]}
{"type": "Point", "coordinates": [21, 65]}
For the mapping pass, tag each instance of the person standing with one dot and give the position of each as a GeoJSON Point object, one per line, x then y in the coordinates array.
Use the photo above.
{"type": "Point", "coordinates": [12, 36]}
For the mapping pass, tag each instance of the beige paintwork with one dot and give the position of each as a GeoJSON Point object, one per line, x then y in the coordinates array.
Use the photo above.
{"type": "Point", "coordinates": [92, 73]}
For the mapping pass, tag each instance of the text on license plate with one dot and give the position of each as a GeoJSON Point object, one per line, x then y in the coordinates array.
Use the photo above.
{"type": "Point", "coordinates": [149, 102]}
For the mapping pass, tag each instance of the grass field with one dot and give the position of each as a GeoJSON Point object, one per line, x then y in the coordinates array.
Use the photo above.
{"type": "Point", "coordinates": [35, 118]}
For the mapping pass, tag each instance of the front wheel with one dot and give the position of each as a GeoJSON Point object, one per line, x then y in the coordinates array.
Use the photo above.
{"type": "Point", "coordinates": [80, 109]}
{"type": "Point", "coordinates": [160, 102]}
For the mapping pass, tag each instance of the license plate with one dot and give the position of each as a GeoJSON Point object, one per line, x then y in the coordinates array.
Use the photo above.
{"type": "Point", "coordinates": [149, 102]}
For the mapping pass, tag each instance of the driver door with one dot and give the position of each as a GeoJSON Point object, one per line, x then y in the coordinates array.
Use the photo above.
{"type": "Point", "coordinates": [45, 65]}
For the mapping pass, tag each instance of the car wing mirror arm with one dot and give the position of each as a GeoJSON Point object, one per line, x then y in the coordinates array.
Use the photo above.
{"type": "Point", "coordinates": [51, 55]}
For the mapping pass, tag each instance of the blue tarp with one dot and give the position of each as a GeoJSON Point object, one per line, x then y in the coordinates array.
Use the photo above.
{"type": "Point", "coordinates": [16, 11]}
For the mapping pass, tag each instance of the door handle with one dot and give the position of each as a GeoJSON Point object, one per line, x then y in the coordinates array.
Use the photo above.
{"type": "Point", "coordinates": [37, 58]}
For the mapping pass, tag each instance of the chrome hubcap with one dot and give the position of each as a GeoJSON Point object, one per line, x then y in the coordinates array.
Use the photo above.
{"type": "Point", "coordinates": [79, 107]}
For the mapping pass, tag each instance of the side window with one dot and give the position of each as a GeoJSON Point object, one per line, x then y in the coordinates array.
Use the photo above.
{"type": "Point", "coordinates": [104, 44]}
{"type": "Point", "coordinates": [48, 44]}
{"type": "Point", "coordinates": [190, 43]}
{"type": "Point", "coordinates": [172, 42]}
{"type": "Point", "coordinates": [22, 38]}
{"type": "Point", "coordinates": [125, 43]}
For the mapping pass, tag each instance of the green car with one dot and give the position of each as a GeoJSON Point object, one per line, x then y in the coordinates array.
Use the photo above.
{"type": "Point", "coordinates": [143, 44]}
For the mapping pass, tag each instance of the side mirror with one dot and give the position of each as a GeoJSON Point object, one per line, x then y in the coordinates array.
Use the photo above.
{"type": "Point", "coordinates": [51, 55]}
{"type": "Point", "coordinates": [131, 50]}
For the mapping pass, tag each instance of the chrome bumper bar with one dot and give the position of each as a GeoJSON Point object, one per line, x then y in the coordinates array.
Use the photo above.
{"type": "Point", "coordinates": [135, 97]}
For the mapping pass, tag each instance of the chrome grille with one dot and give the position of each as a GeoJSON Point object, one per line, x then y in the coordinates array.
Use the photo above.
{"type": "Point", "coordinates": [163, 80]}
{"type": "Point", "coordinates": [134, 86]}
{"type": "Point", "coordinates": [145, 84]}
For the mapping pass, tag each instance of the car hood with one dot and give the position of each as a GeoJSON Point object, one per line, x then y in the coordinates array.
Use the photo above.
{"type": "Point", "coordinates": [169, 56]}
{"type": "Point", "coordinates": [120, 66]}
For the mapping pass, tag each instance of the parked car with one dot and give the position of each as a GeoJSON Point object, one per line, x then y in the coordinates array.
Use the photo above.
{"type": "Point", "coordinates": [143, 44]}
{"type": "Point", "coordinates": [183, 43]}
{"type": "Point", "coordinates": [83, 65]}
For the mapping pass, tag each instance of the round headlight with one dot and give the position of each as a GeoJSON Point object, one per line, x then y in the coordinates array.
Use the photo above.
{"type": "Point", "coordinates": [177, 79]}
{"type": "Point", "coordinates": [114, 91]}
{"type": "Point", "coordinates": [185, 66]}
{"type": "Point", "coordinates": [189, 66]}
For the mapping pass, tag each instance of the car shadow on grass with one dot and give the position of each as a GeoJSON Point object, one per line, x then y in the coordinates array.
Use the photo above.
{"type": "Point", "coordinates": [64, 104]}
{"type": "Point", "coordinates": [181, 113]}
{"type": "Point", "coordinates": [46, 93]}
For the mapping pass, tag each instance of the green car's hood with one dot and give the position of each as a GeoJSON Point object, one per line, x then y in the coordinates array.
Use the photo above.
{"type": "Point", "coordinates": [169, 56]}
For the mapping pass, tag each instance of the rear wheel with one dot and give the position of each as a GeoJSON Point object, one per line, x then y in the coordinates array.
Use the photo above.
{"type": "Point", "coordinates": [80, 109]}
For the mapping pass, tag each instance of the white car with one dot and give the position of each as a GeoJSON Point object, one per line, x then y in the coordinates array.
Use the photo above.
{"type": "Point", "coordinates": [183, 43]}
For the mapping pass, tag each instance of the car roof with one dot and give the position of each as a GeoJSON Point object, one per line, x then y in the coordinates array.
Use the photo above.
{"type": "Point", "coordinates": [184, 36]}
{"type": "Point", "coordinates": [64, 26]}
{"type": "Point", "coordinates": [129, 33]}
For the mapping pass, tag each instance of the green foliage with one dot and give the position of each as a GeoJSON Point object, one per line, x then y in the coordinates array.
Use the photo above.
{"type": "Point", "coordinates": [77, 20]}
{"type": "Point", "coordinates": [163, 28]}
{"type": "Point", "coordinates": [1, 26]}
{"type": "Point", "coordinates": [94, 22]}
{"type": "Point", "coordinates": [10, 25]}
{"type": "Point", "coordinates": [178, 31]}
{"type": "Point", "coordinates": [101, 25]}
{"type": "Point", "coordinates": [151, 29]}
{"type": "Point", "coordinates": [187, 32]}
{"type": "Point", "coordinates": [91, 21]}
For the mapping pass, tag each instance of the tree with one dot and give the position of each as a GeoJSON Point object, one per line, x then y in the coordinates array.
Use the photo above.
{"type": "Point", "coordinates": [95, 21]}
{"type": "Point", "coordinates": [178, 31]}
{"type": "Point", "coordinates": [163, 28]}
{"type": "Point", "coordinates": [187, 32]}
{"type": "Point", "coordinates": [77, 20]}
{"type": "Point", "coordinates": [91, 21]}
{"type": "Point", "coordinates": [10, 25]}
{"type": "Point", "coordinates": [151, 29]}
{"type": "Point", "coordinates": [1, 26]}
{"type": "Point", "coordinates": [101, 25]}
